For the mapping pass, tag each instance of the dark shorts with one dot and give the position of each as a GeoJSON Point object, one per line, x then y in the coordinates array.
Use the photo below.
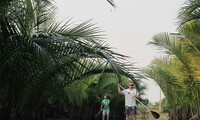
{"type": "Point", "coordinates": [130, 110]}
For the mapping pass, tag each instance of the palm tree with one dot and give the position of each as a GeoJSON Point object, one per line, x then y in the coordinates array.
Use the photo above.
{"type": "Point", "coordinates": [188, 55]}
{"type": "Point", "coordinates": [176, 72]}
{"type": "Point", "coordinates": [189, 26]}
{"type": "Point", "coordinates": [39, 57]}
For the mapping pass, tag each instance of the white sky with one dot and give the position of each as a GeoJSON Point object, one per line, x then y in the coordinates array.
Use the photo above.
{"type": "Point", "coordinates": [129, 27]}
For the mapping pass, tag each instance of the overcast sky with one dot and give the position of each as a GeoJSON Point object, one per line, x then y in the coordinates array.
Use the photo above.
{"type": "Point", "coordinates": [129, 27]}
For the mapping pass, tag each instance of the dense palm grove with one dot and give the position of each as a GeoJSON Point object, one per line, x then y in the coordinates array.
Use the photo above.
{"type": "Point", "coordinates": [177, 70]}
{"type": "Point", "coordinates": [53, 69]}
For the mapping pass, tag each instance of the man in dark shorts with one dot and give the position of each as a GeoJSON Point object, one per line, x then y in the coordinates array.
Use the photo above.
{"type": "Point", "coordinates": [130, 102]}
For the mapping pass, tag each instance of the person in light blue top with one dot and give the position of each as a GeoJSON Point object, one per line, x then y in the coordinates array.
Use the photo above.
{"type": "Point", "coordinates": [105, 107]}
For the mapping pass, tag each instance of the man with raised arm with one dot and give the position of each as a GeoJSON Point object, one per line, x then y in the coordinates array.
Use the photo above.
{"type": "Point", "coordinates": [130, 102]}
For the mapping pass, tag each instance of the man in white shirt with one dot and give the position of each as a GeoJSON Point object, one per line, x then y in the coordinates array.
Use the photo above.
{"type": "Point", "coordinates": [130, 102]}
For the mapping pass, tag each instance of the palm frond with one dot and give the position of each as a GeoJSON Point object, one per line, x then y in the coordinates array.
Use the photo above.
{"type": "Point", "coordinates": [190, 11]}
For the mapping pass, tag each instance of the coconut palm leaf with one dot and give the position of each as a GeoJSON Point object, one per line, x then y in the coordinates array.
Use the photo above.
{"type": "Point", "coordinates": [40, 59]}
{"type": "Point", "coordinates": [189, 11]}
{"type": "Point", "coordinates": [179, 67]}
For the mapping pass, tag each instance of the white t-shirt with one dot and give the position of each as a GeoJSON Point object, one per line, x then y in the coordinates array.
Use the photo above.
{"type": "Point", "coordinates": [129, 97]}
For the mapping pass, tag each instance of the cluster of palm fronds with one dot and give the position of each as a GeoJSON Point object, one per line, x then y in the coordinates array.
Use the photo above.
{"type": "Point", "coordinates": [41, 61]}
{"type": "Point", "coordinates": [177, 71]}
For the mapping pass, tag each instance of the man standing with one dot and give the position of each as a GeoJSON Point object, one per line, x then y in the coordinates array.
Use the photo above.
{"type": "Point", "coordinates": [105, 107]}
{"type": "Point", "coordinates": [130, 102]}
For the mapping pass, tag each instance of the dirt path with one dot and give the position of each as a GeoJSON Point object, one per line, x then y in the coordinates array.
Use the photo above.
{"type": "Point", "coordinates": [148, 117]}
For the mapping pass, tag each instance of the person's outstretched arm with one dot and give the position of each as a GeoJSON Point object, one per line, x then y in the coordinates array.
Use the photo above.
{"type": "Point", "coordinates": [101, 107]}
{"type": "Point", "coordinates": [137, 95]}
{"type": "Point", "coordinates": [119, 89]}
